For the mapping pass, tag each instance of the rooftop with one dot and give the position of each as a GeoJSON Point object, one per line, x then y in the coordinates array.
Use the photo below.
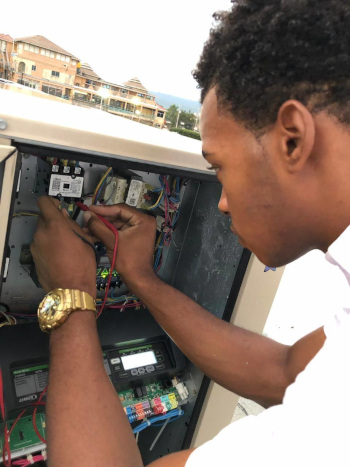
{"type": "Point", "coordinates": [135, 83]}
{"type": "Point", "coordinates": [87, 70]}
{"type": "Point", "coordinates": [41, 41]}
{"type": "Point", "coordinates": [6, 37]}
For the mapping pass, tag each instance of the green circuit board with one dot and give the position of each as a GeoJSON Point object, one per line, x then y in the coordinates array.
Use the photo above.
{"type": "Point", "coordinates": [153, 390]}
{"type": "Point", "coordinates": [23, 435]}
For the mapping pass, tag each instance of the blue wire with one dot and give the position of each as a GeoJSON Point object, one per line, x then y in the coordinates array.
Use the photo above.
{"type": "Point", "coordinates": [177, 413]}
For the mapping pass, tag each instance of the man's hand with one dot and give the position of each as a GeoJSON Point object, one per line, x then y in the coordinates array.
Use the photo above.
{"type": "Point", "coordinates": [137, 233]}
{"type": "Point", "coordinates": [62, 259]}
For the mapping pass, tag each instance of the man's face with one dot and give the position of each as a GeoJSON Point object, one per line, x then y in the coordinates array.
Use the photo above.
{"type": "Point", "coordinates": [264, 203]}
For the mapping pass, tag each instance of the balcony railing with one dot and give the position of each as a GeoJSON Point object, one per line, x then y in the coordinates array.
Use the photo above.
{"type": "Point", "coordinates": [107, 108]}
{"type": "Point", "coordinates": [131, 113]}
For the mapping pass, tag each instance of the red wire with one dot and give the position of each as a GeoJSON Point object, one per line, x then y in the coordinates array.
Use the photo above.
{"type": "Point", "coordinates": [15, 422]}
{"type": "Point", "coordinates": [85, 208]}
{"type": "Point", "coordinates": [6, 436]}
{"type": "Point", "coordinates": [43, 440]}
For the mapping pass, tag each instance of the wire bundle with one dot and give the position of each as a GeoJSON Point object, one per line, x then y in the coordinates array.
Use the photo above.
{"type": "Point", "coordinates": [172, 415]}
{"type": "Point", "coordinates": [9, 319]}
{"type": "Point", "coordinates": [171, 201]}
{"type": "Point", "coordinates": [121, 302]}
{"type": "Point", "coordinates": [100, 185]}
{"type": "Point", "coordinates": [29, 460]}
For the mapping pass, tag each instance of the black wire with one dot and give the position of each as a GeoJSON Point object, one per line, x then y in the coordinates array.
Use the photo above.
{"type": "Point", "coordinates": [9, 155]}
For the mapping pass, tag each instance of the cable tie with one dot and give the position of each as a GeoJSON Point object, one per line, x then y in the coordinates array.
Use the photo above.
{"type": "Point", "coordinates": [147, 421]}
{"type": "Point", "coordinates": [30, 459]}
{"type": "Point", "coordinates": [44, 454]}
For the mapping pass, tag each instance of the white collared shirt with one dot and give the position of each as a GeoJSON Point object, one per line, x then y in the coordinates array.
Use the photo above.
{"type": "Point", "coordinates": [303, 430]}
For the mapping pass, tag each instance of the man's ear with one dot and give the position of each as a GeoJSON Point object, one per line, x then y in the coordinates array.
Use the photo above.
{"type": "Point", "coordinates": [296, 134]}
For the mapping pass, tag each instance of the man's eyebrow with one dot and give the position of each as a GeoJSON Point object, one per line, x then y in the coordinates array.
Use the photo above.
{"type": "Point", "coordinates": [207, 154]}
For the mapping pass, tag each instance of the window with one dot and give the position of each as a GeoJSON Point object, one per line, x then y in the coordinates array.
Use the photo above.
{"type": "Point", "coordinates": [20, 48]}
{"type": "Point", "coordinates": [77, 84]}
{"type": "Point", "coordinates": [52, 90]}
{"type": "Point", "coordinates": [149, 97]}
{"type": "Point", "coordinates": [106, 86]}
{"type": "Point", "coordinates": [47, 53]}
{"type": "Point", "coordinates": [36, 50]}
{"type": "Point", "coordinates": [43, 51]}
{"type": "Point", "coordinates": [52, 55]}
{"type": "Point", "coordinates": [26, 47]}
{"type": "Point", "coordinates": [55, 73]}
{"type": "Point", "coordinates": [33, 67]}
{"type": "Point", "coordinates": [124, 91]}
{"type": "Point", "coordinates": [21, 67]}
{"type": "Point", "coordinates": [160, 114]}
{"type": "Point", "coordinates": [67, 59]}
{"type": "Point", "coordinates": [58, 56]}
{"type": "Point", "coordinates": [31, 48]}
{"type": "Point", "coordinates": [29, 83]}
{"type": "Point", "coordinates": [74, 62]}
{"type": "Point", "coordinates": [141, 95]}
{"type": "Point", "coordinates": [63, 58]}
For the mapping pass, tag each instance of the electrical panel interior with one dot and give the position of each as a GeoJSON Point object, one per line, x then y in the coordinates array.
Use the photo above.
{"type": "Point", "coordinates": [194, 251]}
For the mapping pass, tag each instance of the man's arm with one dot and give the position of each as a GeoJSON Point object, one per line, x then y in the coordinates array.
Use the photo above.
{"type": "Point", "coordinates": [249, 364]}
{"type": "Point", "coordinates": [86, 424]}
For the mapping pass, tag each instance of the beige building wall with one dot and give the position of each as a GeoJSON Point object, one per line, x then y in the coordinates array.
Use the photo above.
{"type": "Point", "coordinates": [43, 64]}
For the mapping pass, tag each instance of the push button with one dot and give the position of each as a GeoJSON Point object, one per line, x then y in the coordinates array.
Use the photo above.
{"type": "Point", "coordinates": [134, 372]}
{"type": "Point", "coordinates": [115, 361]}
{"type": "Point", "coordinates": [149, 368]}
{"type": "Point", "coordinates": [141, 371]}
{"type": "Point", "coordinates": [123, 374]}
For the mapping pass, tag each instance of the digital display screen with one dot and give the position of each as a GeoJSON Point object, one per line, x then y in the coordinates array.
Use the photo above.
{"type": "Point", "coordinates": [138, 359]}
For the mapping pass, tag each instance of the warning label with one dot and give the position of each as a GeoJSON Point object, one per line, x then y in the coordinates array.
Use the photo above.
{"type": "Point", "coordinates": [30, 382]}
{"type": "Point", "coordinates": [66, 186]}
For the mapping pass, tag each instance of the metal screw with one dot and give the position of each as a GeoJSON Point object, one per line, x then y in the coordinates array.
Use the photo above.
{"type": "Point", "coordinates": [3, 124]}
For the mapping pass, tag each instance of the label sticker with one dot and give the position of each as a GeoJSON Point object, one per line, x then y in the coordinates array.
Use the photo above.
{"type": "Point", "coordinates": [66, 186]}
{"type": "Point", "coordinates": [135, 193]}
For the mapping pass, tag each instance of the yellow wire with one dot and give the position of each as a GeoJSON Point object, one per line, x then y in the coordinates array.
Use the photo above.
{"type": "Point", "coordinates": [158, 200]}
{"type": "Point", "coordinates": [25, 214]}
{"type": "Point", "coordinates": [100, 183]}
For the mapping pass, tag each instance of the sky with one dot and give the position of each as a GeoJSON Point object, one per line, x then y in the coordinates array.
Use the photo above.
{"type": "Point", "coordinates": [158, 41]}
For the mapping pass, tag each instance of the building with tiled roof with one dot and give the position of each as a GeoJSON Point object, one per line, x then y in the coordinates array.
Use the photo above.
{"type": "Point", "coordinates": [42, 42]}
{"type": "Point", "coordinates": [41, 64]}
{"type": "Point", "coordinates": [6, 38]}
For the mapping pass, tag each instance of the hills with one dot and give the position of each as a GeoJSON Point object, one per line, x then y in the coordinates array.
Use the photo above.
{"type": "Point", "coordinates": [166, 100]}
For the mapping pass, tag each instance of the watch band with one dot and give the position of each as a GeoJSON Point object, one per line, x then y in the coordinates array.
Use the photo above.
{"type": "Point", "coordinates": [76, 300]}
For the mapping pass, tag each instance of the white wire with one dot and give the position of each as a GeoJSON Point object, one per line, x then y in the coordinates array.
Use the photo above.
{"type": "Point", "coordinates": [160, 432]}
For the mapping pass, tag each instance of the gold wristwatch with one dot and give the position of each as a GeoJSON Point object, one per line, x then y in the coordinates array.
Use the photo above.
{"type": "Point", "coordinates": [58, 304]}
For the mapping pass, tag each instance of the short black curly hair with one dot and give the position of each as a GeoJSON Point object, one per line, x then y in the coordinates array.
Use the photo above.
{"type": "Point", "coordinates": [264, 52]}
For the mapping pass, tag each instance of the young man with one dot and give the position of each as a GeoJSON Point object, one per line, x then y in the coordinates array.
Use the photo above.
{"type": "Point", "coordinates": [275, 128]}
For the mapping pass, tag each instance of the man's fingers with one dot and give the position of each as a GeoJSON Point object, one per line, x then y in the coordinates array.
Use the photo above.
{"type": "Point", "coordinates": [118, 212]}
{"type": "Point", "coordinates": [49, 208]}
{"type": "Point", "coordinates": [99, 230]}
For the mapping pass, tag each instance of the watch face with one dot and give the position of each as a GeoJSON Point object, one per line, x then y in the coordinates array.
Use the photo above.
{"type": "Point", "coordinates": [50, 303]}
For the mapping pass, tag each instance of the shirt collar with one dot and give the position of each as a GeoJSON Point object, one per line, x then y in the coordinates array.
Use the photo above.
{"type": "Point", "coordinates": [339, 252]}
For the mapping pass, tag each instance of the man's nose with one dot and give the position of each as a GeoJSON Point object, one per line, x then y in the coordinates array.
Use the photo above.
{"type": "Point", "coordinates": [223, 206]}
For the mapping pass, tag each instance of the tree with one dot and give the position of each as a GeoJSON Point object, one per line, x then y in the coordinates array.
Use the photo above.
{"type": "Point", "coordinates": [185, 120]}
{"type": "Point", "coordinates": [171, 115]}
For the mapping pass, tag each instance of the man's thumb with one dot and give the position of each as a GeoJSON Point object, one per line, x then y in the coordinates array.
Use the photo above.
{"type": "Point", "coordinates": [99, 230]}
